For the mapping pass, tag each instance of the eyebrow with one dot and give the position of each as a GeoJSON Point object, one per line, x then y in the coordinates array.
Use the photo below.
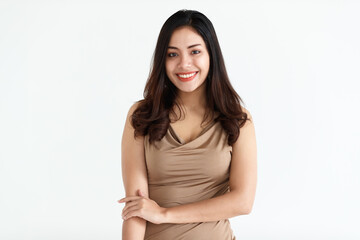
{"type": "Point", "coordinates": [191, 46]}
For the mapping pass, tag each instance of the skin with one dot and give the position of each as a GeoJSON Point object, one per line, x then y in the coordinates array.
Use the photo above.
{"type": "Point", "coordinates": [187, 52]}
{"type": "Point", "coordinates": [243, 173]}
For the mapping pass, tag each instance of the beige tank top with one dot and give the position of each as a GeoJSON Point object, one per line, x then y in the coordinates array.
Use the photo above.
{"type": "Point", "coordinates": [181, 173]}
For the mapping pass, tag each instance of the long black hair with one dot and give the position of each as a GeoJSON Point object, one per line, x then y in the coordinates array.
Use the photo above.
{"type": "Point", "coordinates": [152, 113]}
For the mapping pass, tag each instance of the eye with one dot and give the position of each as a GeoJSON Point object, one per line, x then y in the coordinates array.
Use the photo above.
{"type": "Point", "coordinates": [172, 54]}
{"type": "Point", "coordinates": [195, 52]}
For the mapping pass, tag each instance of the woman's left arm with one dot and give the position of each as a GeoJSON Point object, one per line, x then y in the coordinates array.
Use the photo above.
{"type": "Point", "coordinates": [239, 201]}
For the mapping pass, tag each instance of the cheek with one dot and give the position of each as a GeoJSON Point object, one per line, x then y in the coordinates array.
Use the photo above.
{"type": "Point", "coordinates": [168, 67]}
{"type": "Point", "coordinates": [205, 64]}
{"type": "Point", "coordinates": [203, 61]}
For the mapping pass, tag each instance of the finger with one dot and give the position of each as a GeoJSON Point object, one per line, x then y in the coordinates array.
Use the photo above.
{"type": "Point", "coordinates": [129, 204]}
{"type": "Point", "coordinates": [133, 211]}
{"type": "Point", "coordinates": [138, 203]}
{"type": "Point", "coordinates": [127, 199]}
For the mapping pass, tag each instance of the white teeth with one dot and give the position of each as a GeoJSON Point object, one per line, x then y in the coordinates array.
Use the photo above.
{"type": "Point", "coordinates": [187, 75]}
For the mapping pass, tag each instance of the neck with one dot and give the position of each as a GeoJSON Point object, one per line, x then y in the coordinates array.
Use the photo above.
{"type": "Point", "coordinates": [195, 100]}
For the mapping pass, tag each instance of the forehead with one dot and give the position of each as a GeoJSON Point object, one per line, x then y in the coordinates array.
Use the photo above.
{"type": "Point", "coordinates": [185, 36]}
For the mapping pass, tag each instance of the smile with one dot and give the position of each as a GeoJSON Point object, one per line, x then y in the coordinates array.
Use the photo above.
{"type": "Point", "coordinates": [187, 76]}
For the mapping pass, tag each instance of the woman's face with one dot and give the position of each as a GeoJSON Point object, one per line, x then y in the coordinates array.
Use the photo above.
{"type": "Point", "coordinates": [187, 61]}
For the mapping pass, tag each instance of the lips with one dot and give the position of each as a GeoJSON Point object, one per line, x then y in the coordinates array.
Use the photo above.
{"type": "Point", "coordinates": [188, 76]}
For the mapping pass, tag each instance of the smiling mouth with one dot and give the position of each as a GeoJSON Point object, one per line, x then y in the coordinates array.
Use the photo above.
{"type": "Point", "coordinates": [187, 76]}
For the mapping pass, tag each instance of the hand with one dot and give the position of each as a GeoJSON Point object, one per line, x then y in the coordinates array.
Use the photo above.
{"type": "Point", "coordinates": [143, 207]}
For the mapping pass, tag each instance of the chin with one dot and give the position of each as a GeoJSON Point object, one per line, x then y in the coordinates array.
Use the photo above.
{"type": "Point", "coordinates": [187, 90]}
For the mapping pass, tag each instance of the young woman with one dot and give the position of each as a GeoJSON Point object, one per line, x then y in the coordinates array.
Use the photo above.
{"type": "Point", "coordinates": [189, 157]}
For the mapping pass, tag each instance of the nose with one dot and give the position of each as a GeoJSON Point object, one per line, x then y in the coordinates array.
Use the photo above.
{"type": "Point", "coordinates": [185, 61]}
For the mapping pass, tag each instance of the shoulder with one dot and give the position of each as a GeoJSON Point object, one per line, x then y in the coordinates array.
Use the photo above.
{"type": "Point", "coordinates": [131, 111]}
{"type": "Point", "coordinates": [245, 110]}
{"type": "Point", "coordinates": [247, 131]}
{"type": "Point", "coordinates": [249, 117]}
{"type": "Point", "coordinates": [129, 128]}
{"type": "Point", "coordinates": [133, 108]}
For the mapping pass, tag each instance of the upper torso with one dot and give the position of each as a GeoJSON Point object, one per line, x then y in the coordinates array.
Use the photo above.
{"type": "Point", "coordinates": [181, 172]}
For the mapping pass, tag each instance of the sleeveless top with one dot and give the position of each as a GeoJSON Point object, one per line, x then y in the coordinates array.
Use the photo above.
{"type": "Point", "coordinates": [181, 173]}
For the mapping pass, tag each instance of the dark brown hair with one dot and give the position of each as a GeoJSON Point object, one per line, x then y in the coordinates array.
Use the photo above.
{"type": "Point", "coordinates": [152, 113]}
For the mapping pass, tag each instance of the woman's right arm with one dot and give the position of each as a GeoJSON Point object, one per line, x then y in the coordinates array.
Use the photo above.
{"type": "Point", "coordinates": [134, 176]}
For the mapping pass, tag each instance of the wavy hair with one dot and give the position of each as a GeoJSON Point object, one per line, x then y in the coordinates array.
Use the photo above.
{"type": "Point", "coordinates": [152, 113]}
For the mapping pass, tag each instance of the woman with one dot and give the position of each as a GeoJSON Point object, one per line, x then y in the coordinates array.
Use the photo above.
{"type": "Point", "coordinates": [188, 148]}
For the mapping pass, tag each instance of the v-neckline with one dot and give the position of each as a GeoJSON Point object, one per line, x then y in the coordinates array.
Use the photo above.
{"type": "Point", "coordinates": [182, 142]}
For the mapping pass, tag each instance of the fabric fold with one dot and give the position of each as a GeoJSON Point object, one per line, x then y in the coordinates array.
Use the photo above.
{"type": "Point", "coordinates": [181, 173]}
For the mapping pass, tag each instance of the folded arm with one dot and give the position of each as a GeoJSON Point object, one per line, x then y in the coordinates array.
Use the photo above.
{"type": "Point", "coordinates": [134, 176]}
{"type": "Point", "coordinates": [240, 199]}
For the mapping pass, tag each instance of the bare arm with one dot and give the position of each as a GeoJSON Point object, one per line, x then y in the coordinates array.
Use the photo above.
{"type": "Point", "coordinates": [240, 199]}
{"type": "Point", "coordinates": [243, 178]}
{"type": "Point", "coordinates": [134, 176]}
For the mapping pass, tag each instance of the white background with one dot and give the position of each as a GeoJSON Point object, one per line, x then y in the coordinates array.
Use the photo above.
{"type": "Point", "coordinates": [70, 70]}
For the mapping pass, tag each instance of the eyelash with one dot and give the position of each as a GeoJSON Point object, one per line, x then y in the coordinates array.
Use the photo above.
{"type": "Point", "coordinates": [171, 54]}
